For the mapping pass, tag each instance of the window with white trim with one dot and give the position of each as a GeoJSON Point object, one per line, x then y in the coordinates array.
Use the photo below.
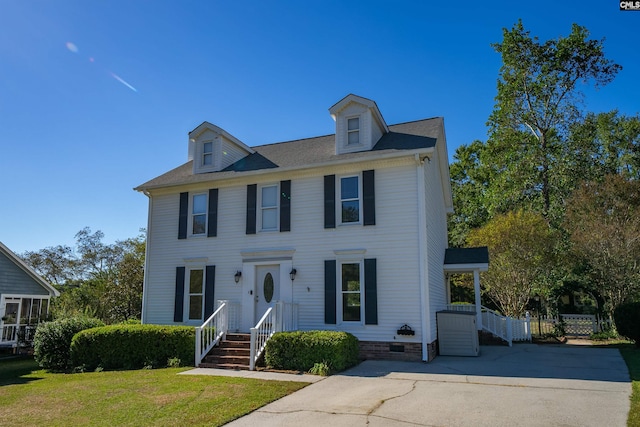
{"type": "Point", "coordinates": [353, 130]}
{"type": "Point", "coordinates": [195, 298]}
{"type": "Point", "coordinates": [199, 214]}
{"type": "Point", "coordinates": [350, 199]}
{"type": "Point", "coordinates": [269, 208]}
{"type": "Point", "coordinates": [207, 154]}
{"type": "Point", "coordinates": [351, 292]}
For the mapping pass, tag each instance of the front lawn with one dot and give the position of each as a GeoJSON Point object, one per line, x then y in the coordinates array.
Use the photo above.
{"type": "Point", "coordinates": [631, 356]}
{"type": "Point", "coordinates": [158, 397]}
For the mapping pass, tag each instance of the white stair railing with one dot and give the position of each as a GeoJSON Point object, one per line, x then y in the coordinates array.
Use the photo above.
{"type": "Point", "coordinates": [212, 331]}
{"type": "Point", "coordinates": [264, 329]}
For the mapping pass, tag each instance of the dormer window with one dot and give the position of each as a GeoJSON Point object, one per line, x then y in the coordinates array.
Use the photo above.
{"type": "Point", "coordinates": [207, 154]}
{"type": "Point", "coordinates": [353, 130]}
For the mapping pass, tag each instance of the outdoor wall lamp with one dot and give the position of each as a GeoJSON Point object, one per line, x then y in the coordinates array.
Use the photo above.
{"type": "Point", "coordinates": [292, 274]}
{"type": "Point", "coordinates": [237, 276]}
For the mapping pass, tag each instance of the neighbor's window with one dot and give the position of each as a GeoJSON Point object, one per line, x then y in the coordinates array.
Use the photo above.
{"type": "Point", "coordinates": [207, 154]}
{"type": "Point", "coordinates": [269, 207]}
{"type": "Point", "coordinates": [350, 199]}
{"type": "Point", "coordinates": [196, 287]}
{"type": "Point", "coordinates": [351, 294]}
{"type": "Point", "coordinates": [199, 214]}
{"type": "Point", "coordinates": [353, 130]}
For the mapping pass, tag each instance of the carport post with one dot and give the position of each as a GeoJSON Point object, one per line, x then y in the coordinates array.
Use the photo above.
{"type": "Point", "coordinates": [476, 290]}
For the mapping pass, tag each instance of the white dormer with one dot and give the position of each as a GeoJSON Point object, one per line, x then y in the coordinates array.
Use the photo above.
{"type": "Point", "coordinates": [359, 124]}
{"type": "Point", "coordinates": [212, 148]}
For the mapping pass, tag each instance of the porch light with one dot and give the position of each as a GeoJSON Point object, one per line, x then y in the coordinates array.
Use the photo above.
{"type": "Point", "coordinates": [237, 276]}
{"type": "Point", "coordinates": [292, 274]}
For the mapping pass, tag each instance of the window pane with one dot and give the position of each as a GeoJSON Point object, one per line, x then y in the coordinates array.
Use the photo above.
{"type": "Point", "coordinates": [269, 219]}
{"type": "Point", "coordinates": [195, 282]}
{"type": "Point", "coordinates": [25, 310]}
{"type": "Point", "coordinates": [199, 224]}
{"type": "Point", "coordinates": [351, 277]}
{"type": "Point", "coordinates": [269, 196]}
{"type": "Point", "coordinates": [44, 312]}
{"type": "Point", "coordinates": [195, 307]}
{"type": "Point", "coordinates": [207, 159]}
{"type": "Point", "coordinates": [351, 307]}
{"type": "Point", "coordinates": [349, 188]}
{"type": "Point", "coordinates": [354, 123]}
{"type": "Point", "coordinates": [350, 211]}
{"type": "Point", "coordinates": [35, 311]}
{"type": "Point", "coordinates": [354, 137]}
{"type": "Point", "coordinates": [208, 147]}
{"type": "Point", "coordinates": [199, 203]}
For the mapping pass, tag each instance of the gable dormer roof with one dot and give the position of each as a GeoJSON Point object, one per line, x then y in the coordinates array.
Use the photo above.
{"type": "Point", "coordinates": [370, 104]}
{"type": "Point", "coordinates": [359, 124]}
{"type": "Point", "coordinates": [212, 149]}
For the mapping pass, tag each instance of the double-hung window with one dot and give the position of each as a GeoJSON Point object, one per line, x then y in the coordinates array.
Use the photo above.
{"type": "Point", "coordinates": [351, 292]}
{"type": "Point", "coordinates": [353, 131]}
{"type": "Point", "coordinates": [199, 214]}
{"type": "Point", "coordinates": [207, 154]}
{"type": "Point", "coordinates": [196, 294]}
{"type": "Point", "coordinates": [350, 199]}
{"type": "Point", "coordinates": [269, 207]}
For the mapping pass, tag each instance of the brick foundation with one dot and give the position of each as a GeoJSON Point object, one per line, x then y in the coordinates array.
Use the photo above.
{"type": "Point", "coordinates": [384, 350]}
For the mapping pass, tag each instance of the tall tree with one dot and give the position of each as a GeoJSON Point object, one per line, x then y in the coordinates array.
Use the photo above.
{"type": "Point", "coordinates": [538, 100]}
{"type": "Point", "coordinates": [604, 221]}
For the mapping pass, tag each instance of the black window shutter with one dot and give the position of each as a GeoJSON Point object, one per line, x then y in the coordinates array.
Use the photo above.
{"type": "Point", "coordinates": [209, 287]}
{"type": "Point", "coordinates": [285, 205]}
{"type": "Point", "coordinates": [329, 201]}
{"type": "Point", "coordinates": [179, 299]}
{"type": "Point", "coordinates": [252, 192]}
{"type": "Point", "coordinates": [369, 197]}
{"type": "Point", "coordinates": [212, 226]}
{"type": "Point", "coordinates": [330, 292]}
{"type": "Point", "coordinates": [184, 213]}
{"type": "Point", "coordinates": [370, 292]}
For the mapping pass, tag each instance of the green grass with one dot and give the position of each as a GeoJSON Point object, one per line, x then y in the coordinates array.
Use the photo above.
{"type": "Point", "coordinates": [631, 355]}
{"type": "Point", "coordinates": [158, 397]}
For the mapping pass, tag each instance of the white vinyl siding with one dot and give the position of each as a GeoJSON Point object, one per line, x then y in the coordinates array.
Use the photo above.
{"type": "Point", "coordinates": [393, 242]}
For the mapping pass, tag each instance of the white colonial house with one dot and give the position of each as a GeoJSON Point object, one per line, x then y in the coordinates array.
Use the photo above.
{"type": "Point", "coordinates": [340, 232]}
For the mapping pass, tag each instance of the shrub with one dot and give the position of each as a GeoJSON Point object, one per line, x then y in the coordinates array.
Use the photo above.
{"type": "Point", "coordinates": [303, 350]}
{"type": "Point", "coordinates": [627, 318]}
{"type": "Point", "coordinates": [52, 341]}
{"type": "Point", "coordinates": [133, 347]}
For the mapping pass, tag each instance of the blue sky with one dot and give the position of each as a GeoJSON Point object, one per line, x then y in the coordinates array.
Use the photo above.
{"type": "Point", "coordinates": [97, 97]}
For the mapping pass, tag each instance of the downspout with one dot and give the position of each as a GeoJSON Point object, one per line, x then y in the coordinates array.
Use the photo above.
{"type": "Point", "coordinates": [423, 267]}
{"type": "Point", "coordinates": [145, 283]}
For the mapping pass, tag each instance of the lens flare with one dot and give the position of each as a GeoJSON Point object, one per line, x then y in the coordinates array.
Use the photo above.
{"type": "Point", "coordinates": [72, 47]}
{"type": "Point", "coordinates": [118, 78]}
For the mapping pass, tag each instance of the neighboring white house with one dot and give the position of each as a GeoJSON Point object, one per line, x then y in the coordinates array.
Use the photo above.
{"type": "Point", "coordinates": [350, 228]}
{"type": "Point", "coordinates": [24, 298]}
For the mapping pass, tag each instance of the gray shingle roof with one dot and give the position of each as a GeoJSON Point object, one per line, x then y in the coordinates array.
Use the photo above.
{"type": "Point", "coordinates": [308, 152]}
{"type": "Point", "coordinates": [467, 255]}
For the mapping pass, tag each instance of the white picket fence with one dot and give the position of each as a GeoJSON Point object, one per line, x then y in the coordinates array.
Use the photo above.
{"type": "Point", "coordinates": [573, 324]}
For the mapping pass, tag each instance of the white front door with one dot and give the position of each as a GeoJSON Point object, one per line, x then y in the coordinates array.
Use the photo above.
{"type": "Point", "coordinates": [267, 289]}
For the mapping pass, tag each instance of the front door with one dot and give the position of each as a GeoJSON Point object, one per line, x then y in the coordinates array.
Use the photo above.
{"type": "Point", "coordinates": [267, 290]}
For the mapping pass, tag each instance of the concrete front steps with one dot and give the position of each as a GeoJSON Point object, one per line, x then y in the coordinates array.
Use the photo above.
{"type": "Point", "coordinates": [231, 353]}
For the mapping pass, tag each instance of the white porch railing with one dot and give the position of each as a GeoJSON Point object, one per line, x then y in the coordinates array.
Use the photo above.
{"type": "Point", "coordinates": [505, 327]}
{"type": "Point", "coordinates": [281, 317]}
{"type": "Point", "coordinates": [212, 331]}
{"type": "Point", "coordinates": [11, 335]}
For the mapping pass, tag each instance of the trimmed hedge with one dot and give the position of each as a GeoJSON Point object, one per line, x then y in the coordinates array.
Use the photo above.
{"type": "Point", "coordinates": [133, 347]}
{"type": "Point", "coordinates": [52, 341]}
{"type": "Point", "coordinates": [301, 350]}
{"type": "Point", "coordinates": [627, 318]}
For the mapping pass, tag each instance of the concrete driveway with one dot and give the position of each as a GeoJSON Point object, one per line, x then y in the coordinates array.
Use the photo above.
{"type": "Point", "coordinates": [525, 385]}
